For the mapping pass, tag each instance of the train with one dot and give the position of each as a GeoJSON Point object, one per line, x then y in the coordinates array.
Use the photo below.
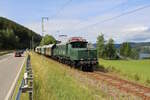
{"type": "Point", "coordinates": [75, 52]}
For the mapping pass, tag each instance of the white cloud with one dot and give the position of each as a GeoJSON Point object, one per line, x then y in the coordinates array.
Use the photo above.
{"type": "Point", "coordinates": [136, 29]}
{"type": "Point", "coordinates": [118, 32]}
{"type": "Point", "coordinates": [133, 27]}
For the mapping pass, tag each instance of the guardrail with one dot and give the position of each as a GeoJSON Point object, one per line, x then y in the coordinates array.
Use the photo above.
{"type": "Point", "coordinates": [26, 85]}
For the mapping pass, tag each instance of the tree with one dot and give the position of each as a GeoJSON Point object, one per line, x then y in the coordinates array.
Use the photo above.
{"type": "Point", "coordinates": [125, 49]}
{"type": "Point", "coordinates": [47, 39]}
{"type": "Point", "coordinates": [15, 36]}
{"type": "Point", "coordinates": [100, 45]}
{"type": "Point", "coordinates": [134, 54]}
{"type": "Point", "coordinates": [110, 50]}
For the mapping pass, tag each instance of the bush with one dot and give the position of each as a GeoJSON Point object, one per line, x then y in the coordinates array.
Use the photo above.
{"type": "Point", "coordinates": [148, 81]}
{"type": "Point", "coordinates": [136, 77]}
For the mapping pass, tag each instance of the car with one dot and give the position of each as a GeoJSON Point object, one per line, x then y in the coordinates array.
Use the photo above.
{"type": "Point", "coordinates": [18, 54]}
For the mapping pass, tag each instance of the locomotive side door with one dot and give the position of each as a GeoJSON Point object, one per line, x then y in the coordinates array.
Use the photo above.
{"type": "Point", "coordinates": [68, 50]}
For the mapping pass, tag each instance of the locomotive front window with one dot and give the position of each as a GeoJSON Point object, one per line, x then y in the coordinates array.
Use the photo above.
{"type": "Point", "coordinates": [79, 45]}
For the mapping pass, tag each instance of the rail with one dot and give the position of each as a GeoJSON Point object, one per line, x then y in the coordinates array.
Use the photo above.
{"type": "Point", "coordinates": [26, 85]}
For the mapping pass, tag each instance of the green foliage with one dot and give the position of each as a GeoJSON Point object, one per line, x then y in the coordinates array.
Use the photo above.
{"type": "Point", "coordinates": [106, 51]}
{"type": "Point", "coordinates": [143, 49]}
{"type": "Point", "coordinates": [110, 50]}
{"type": "Point", "coordinates": [15, 36]}
{"type": "Point", "coordinates": [47, 39]}
{"type": "Point", "coordinates": [100, 45]}
{"type": "Point", "coordinates": [127, 51]}
{"type": "Point", "coordinates": [134, 54]}
{"type": "Point", "coordinates": [136, 77]}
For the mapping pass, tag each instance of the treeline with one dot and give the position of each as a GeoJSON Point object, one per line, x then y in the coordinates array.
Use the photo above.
{"type": "Point", "coordinates": [107, 50]}
{"type": "Point", "coordinates": [127, 51]}
{"type": "Point", "coordinates": [16, 36]}
{"type": "Point", "coordinates": [143, 49]}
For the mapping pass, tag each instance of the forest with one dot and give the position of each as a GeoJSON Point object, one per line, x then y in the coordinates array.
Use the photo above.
{"type": "Point", "coordinates": [16, 36]}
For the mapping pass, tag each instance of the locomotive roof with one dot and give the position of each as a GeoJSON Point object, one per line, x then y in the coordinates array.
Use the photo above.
{"type": "Point", "coordinates": [76, 39]}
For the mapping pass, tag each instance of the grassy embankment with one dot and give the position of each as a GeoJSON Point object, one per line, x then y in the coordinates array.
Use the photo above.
{"type": "Point", "coordinates": [52, 81]}
{"type": "Point", "coordinates": [5, 52]}
{"type": "Point", "coordinates": [137, 70]}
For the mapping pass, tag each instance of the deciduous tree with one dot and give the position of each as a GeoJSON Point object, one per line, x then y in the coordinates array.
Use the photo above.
{"type": "Point", "coordinates": [100, 45]}
{"type": "Point", "coordinates": [47, 39]}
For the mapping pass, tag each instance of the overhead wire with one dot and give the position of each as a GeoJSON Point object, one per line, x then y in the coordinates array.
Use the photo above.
{"type": "Point", "coordinates": [117, 16]}
{"type": "Point", "coordinates": [61, 8]}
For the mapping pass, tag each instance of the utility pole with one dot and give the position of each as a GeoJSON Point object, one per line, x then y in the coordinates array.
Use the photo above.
{"type": "Point", "coordinates": [62, 37]}
{"type": "Point", "coordinates": [43, 18]}
{"type": "Point", "coordinates": [32, 43]}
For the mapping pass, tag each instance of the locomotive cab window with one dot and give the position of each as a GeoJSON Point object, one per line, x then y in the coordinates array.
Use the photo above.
{"type": "Point", "coordinates": [79, 44]}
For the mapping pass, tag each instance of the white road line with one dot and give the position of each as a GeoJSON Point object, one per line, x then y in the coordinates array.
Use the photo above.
{"type": "Point", "coordinates": [4, 59]}
{"type": "Point", "coordinates": [9, 94]}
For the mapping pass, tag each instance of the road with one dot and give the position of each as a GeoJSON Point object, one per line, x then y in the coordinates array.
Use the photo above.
{"type": "Point", "coordinates": [9, 67]}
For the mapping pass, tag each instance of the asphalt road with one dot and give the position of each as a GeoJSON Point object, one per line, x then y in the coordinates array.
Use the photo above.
{"type": "Point", "coordinates": [9, 67]}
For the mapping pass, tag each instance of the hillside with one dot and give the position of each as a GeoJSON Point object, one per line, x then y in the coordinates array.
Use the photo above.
{"type": "Point", "coordinates": [16, 36]}
{"type": "Point", "coordinates": [142, 47]}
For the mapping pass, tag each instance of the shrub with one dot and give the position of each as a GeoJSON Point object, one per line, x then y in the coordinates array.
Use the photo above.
{"type": "Point", "coordinates": [136, 77]}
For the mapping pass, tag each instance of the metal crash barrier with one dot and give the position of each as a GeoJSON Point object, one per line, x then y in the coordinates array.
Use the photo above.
{"type": "Point", "coordinates": [27, 81]}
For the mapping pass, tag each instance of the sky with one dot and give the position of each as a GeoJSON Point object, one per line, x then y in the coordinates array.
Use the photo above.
{"type": "Point", "coordinates": [84, 18]}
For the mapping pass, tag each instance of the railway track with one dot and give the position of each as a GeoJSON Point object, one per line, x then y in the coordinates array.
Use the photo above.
{"type": "Point", "coordinates": [123, 85]}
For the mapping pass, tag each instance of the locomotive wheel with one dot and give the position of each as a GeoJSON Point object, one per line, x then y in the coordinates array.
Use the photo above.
{"type": "Point", "coordinates": [81, 68]}
{"type": "Point", "coordinates": [91, 69]}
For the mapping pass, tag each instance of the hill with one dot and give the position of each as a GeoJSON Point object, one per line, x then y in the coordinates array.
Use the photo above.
{"type": "Point", "coordinates": [16, 36]}
{"type": "Point", "coordinates": [134, 44]}
{"type": "Point", "coordinates": [141, 47]}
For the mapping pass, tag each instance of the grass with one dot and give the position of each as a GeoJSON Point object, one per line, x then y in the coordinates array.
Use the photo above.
{"type": "Point", "coordinates": [53, 82]}
{"type": "Point", "coordinates": [5, 52]}
{"type": "Point", "coordinates": [138, 70]}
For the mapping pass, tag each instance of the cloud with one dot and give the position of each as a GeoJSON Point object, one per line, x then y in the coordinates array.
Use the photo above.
{"type": "Point", "coordinates": [137, 29]}
{"type": "Point", "coordinates": [119, 33]}
{"type": "Point", "coordinates": [73, 20]}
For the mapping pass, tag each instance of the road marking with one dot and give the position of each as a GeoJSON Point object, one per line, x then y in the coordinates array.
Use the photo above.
{"type": "Point", "coordinates": [10, 92]}
{"type": "Point", "coordinates": [10, 55]}
{"type": "Point", "coordinates": [4, 59]}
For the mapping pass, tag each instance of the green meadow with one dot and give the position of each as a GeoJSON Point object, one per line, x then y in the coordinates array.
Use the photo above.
{"type": "Point", "coordinates": [137, 70]}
